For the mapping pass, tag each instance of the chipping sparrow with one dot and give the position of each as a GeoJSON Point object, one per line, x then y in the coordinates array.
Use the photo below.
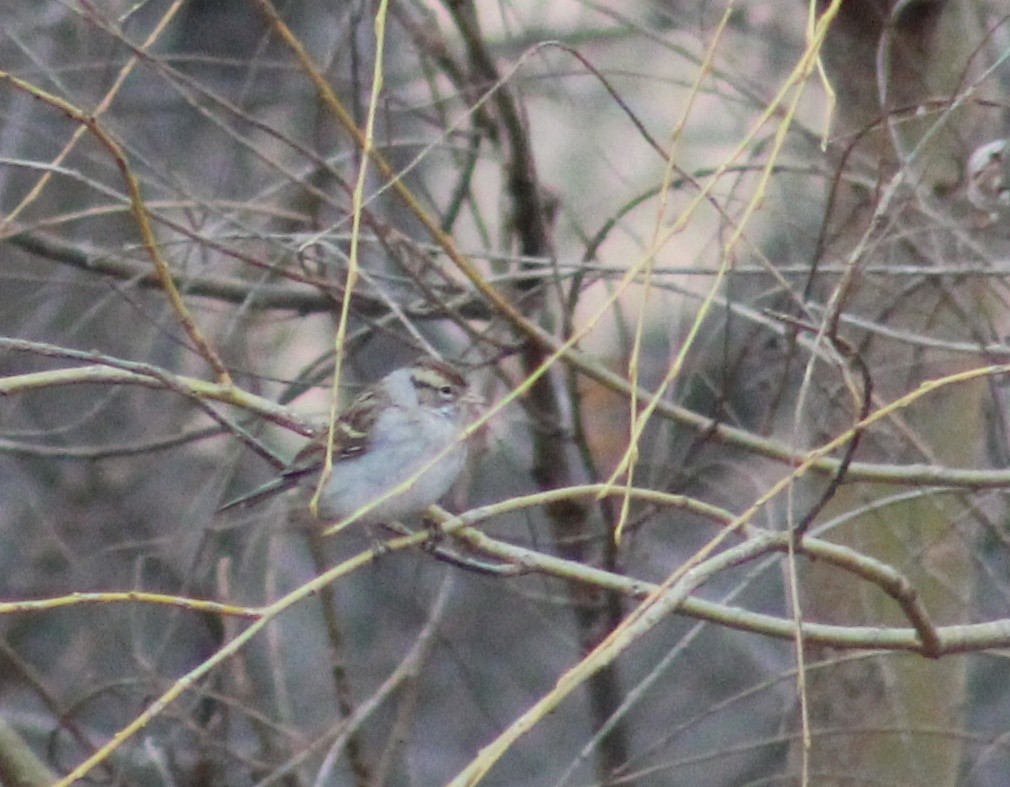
{"type": "Point", "coordinates": [989, 177]}
{"type": "Point", "coordinates": [406, 426]}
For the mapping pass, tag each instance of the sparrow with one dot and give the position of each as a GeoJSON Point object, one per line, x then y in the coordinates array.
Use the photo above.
{"type": "Point", "coordinates": [405, 427]}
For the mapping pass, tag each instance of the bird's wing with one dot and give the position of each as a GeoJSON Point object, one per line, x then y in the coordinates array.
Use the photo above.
{"type": "Point", "coordinates": [350, 437]}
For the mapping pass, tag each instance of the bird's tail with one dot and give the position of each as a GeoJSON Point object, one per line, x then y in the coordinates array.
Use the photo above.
{"type": "Point", "coordinates": [260, 493]}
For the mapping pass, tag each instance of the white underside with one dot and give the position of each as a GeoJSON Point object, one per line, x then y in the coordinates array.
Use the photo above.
{"type": "Point", "coordinates": [412, 445]}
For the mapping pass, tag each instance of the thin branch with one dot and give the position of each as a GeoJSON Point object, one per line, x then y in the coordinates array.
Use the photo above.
{"type": "Point", "coordinates": [141, 214]}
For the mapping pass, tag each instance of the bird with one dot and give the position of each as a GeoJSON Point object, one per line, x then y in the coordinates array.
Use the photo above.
{"type": "Point", "coordinates": [989, 177]}
{"type": "Point", "coordinates": [404, 428]}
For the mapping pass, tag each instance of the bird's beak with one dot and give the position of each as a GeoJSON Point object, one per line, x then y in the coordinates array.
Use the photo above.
{"type": "Point", "coordinates": [473, 400]}
{"type": "Point", "coordinates": [473, 406]}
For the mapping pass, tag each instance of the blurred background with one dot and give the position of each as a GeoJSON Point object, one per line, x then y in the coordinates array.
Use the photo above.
{"type": "Point", "coordinates": [776, 245]}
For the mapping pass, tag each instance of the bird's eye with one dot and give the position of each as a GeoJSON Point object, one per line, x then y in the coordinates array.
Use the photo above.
{"type": "Point", "coordinates": [445, 391]}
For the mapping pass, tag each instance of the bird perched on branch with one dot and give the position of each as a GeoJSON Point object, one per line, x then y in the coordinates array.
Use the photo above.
{"type": "Point", "coordinates": [404, 428]}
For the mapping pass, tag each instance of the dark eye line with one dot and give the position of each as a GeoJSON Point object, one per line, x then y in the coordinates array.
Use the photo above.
{"type": "Point", "coordinates": [443, 383]}
{"type": "Point", "coordinates": [444, 389]}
